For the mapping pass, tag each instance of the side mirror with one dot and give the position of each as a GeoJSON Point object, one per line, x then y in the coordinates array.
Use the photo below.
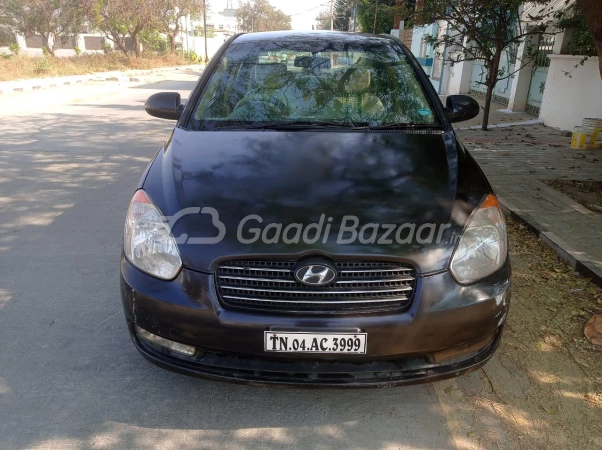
{"type": "Point", "coordinates": [459, 108]}
{"type": "Point", "coordinates": [165, 105]}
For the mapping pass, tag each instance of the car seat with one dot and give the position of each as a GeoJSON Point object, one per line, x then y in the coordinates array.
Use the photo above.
{"type": "Point", "coordinates": [357, 103]}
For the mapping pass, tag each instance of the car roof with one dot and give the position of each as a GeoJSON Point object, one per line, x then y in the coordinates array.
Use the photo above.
{"type": "Point", "coordinates": [268, 36]}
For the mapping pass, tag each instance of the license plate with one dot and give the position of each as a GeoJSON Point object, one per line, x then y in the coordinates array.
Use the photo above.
{"type": "Point", "coordinates": [302, 342]}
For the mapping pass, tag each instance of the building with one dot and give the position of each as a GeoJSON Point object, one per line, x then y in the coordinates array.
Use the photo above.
{"type": "Point", "coordinates": [541, 87]}
{"type": "Point", "coordinates": [221, 24]}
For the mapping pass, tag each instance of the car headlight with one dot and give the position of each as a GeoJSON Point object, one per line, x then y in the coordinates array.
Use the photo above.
{"type": "Point", "coordinates": [483, 247]}
{"type": "Point", "coordinates": [147, 242]}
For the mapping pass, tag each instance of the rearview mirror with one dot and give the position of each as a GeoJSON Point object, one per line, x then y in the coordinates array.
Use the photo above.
{"type": "Point", "coordinates": [459, 108]}
{"type": "Point", "coordinates": [165, 105]}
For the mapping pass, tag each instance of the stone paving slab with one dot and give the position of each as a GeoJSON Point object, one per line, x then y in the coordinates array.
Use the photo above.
{"type": "Point", "coordinates": [499, 116]}
{"type": "Point", "coordinates": [516, 160]}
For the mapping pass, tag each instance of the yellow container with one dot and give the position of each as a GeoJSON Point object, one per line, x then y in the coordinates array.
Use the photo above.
{"type": "Point", "coordinates": [597, 137]}
{"type": "Point", "coordinates": [580, 139]}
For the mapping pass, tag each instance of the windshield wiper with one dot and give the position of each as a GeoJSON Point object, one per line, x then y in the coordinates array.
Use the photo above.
{"type": "Point", "coordinates": [405, 126]}
{"type": "Point", "coordinates": [291, 125]}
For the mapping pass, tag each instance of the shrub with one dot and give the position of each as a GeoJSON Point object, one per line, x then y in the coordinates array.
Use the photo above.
{"type": "Point", "coordinates": [42, 65]}
{"type": "Point", "coordinates": [20, 67]}
{"type": "Point", "coordinates": [191, 56]}
{"type": "Point", "coordinates": [14, 47]}
{"type": "Point", "coordinates": [106, 48]}
{"type": "Point", "coordinates": [77, 50]}
{"type": "Point", "coordinates": [582, 40]}
{"type": "Point", "coordinates": [153, 41]}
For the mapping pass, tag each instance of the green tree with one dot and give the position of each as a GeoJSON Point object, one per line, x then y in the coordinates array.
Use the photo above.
{"type": "Point", "coordinates": [53, 20]}
{"type": "Point", "coordinates": [343, 11]}
{"type": "Point", "coordinates": [323, 19]}
{"type": "Point", "coordinates": [379, 12]}
{"type": "Point", "coordinates": [481, 30]}
{"type": "Point", "coordinates": [9, 10]}
{"type": "Point", "coordinates": [259, 15]}
{"type": "Point", "coordinates": [171, 13]}
{"type": "Point", "coordinates": [200, 32]}
{"type": "Point", "coordinates": [581, 40]}
{"type": "Point", "coordinates": [118, 19]}
{"type": "Point", "coordinates": [154, 41]}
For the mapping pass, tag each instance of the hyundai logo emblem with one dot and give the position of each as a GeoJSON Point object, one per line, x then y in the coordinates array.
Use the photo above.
{"type": "Point", "coordinates": [315, 274]}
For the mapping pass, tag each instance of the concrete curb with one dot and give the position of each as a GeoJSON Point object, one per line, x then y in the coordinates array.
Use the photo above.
{"type": "Point", "coordinates": [505, 124]}
{"type": "Point", "coordinates": [128, 76]}
{"type": "Point", "coordinates": [575, 258]}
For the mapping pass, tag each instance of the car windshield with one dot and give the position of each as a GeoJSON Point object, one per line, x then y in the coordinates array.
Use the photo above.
{"type": "Point", "coordinates": [318, 83]}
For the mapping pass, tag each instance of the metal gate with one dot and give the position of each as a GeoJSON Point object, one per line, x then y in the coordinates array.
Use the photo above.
{"type": "Point", "coordinates": [539, 73]}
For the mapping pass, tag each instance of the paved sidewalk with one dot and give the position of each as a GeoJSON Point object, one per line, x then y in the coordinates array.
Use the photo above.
{"type": "Point", "coordinates": [499, 116]}
{"type": "Point", "coordinates": [516, 159]}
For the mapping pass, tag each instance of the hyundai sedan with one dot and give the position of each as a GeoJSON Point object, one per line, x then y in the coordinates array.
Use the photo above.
{"type": "Point", "coordinates": [313, 220]}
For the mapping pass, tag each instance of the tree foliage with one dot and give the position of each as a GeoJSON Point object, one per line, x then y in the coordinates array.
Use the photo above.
{"type": "Point", "coordinates": [592, 13]}
{"type": "Point", "coordinates": [170, 14]}
{"type": "Point", "coordinates": [384, 10]}
{"type": "Point", "coordinates": [200, 32]}
{"type": "Point", "coordinates": [343, 13]}
{"type": "Point", "coordinates": [8, 14]}
{"type": "Point", "coordinates": [53, 20]}
{"type": "Point", "coordinates": [581, 40]}
{"type": "Point", "coordinates": [483, 29]}
{"type": "Point", "coordinates": [259, 15]}
{"type": "Point", "coordinates": [323, 19]}
{"type": "Point", "coordinates": [118, 19]}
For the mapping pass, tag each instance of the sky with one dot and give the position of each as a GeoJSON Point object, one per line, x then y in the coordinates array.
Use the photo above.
{"type": "Point", "coordinates": [303, 13]}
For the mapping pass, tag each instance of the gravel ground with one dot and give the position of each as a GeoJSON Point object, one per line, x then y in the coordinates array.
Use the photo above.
{"type": "Point", "coordinates": [545, 382]}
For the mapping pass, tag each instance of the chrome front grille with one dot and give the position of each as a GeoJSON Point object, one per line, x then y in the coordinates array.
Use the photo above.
{"type": "Point", "coordinates": [360, 286]}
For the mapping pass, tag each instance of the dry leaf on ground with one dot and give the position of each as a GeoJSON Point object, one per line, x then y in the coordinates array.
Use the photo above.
{"type": "Point", "coordinates": [593, 330]}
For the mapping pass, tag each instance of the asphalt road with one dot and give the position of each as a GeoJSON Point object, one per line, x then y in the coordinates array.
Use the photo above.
{"type": "Point", "coordinates": [69, 375]}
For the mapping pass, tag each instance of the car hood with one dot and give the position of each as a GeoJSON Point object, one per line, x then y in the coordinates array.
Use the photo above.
{"type": "Point", "coordinates": [308, 177]}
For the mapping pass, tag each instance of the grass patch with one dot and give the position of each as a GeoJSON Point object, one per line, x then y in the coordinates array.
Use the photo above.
{"type": "Point", "coordinates": [17, 67]}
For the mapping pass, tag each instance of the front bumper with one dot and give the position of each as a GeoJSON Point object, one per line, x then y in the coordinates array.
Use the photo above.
{"type": "Point", "coordinates": [325, 374]}
{"type": "Point", "coordinates": [443, 315]}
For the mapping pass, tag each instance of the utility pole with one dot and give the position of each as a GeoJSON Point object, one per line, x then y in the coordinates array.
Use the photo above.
{"type": "Point", "coordinates": [187, 42]}
{"type": "Point", "coordinates": [205, 29]}
{"type": "Point", "coordinates": [331, 15]}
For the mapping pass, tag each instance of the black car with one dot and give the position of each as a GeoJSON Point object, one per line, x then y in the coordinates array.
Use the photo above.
{"type": "Point", "coordinates": [313, 221]}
